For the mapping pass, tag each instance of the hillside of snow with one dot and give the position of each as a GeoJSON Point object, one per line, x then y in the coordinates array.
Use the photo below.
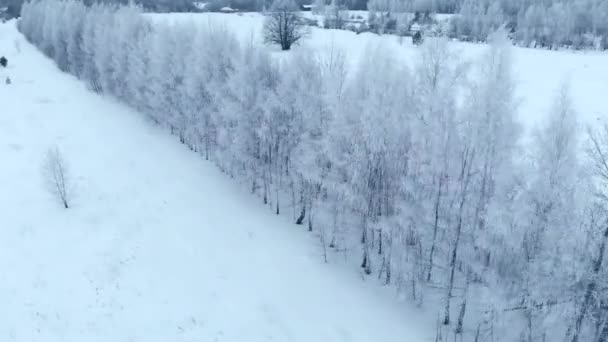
{"type": "Point", "coordinates": [539, 73]}
{"type": "Point", "coordinates": [157, 244]}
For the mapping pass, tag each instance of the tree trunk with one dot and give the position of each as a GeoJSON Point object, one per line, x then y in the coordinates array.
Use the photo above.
{"type": "Point", "coordinates": [300, 219]}
{"type": "Point", "coordinates": [463, 307]}
{"type": "Point", "coordinates": [334, 228]}
{"type": "Point", "coordinates": [465, 174]}
{"type": "Point", "coordinates": [387, 280]}
{"type": "Point", "coordinates": [453, 259]}
{"type": "Point", "coordinates": [591, 287]}
{"type": "Point", "coordinates": [206, 146]}
{"type": "Point", "coordinates": [435, 227]}
{"type": "Point", "coordinates": [265, 178]}
{"type": "Point", "coordinates": [323, 242]}
{"type": "Point", "coordinates": [293, 200]}
{"type": "Point", "coordinates": [603, 336]}
{"type": "Point", "coordinates": [366, 263]}
{"type": "Point", "coordinates": [310, 222]}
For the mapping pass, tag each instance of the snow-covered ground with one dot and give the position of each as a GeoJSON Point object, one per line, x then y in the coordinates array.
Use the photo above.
{"type": "Point", "coordinates": [158, 245]}
{"type": "Point", "coordinates": [538, 73]}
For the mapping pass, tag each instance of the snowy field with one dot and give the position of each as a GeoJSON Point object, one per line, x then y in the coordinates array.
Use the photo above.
{"type": "Point", "coordinates": [539, 73]}
{"type": "Point", "coordinates": [157, 246]}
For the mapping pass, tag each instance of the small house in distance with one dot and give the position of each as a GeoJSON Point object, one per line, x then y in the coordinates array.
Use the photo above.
{"type": "Point", "coordinates": [227, 10]}
{"type": "Point", "coordinates": [307, 7]}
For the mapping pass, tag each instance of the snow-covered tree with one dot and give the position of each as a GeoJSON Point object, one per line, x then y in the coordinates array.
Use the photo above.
{"type": "Point", "coordinates": [283, 25]}
{"type": "Point", "coordinates": [553, 209]}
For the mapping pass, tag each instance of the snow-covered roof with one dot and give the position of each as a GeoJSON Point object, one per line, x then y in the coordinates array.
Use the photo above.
{"type": "Point", "coordinates": [415, 27]}
{"type": "Point", "coordinates": [227, 9]}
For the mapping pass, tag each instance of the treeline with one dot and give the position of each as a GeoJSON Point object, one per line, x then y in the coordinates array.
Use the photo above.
{"type": "Point", "coordinates": [546, 24]}
{"type": "Point", "coordinates": [553, 24]}
{"type": "Point", "coordinates": [419, 173]}
{"type": "Point", "coordinates": [14, 6]}
{"type": "Point", "coordinates": [533, 23]}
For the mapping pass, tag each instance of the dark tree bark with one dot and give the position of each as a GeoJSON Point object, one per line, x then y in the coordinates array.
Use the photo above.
{"type": "Point", "coordinates": [465, 176]}
{"type": "Point", "coordinates": [435, 228]}
{"type": "Point", "coordinates": [300, 219]}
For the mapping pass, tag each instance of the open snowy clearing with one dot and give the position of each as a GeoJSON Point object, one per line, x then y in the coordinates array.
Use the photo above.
{"type": "Point", "coordinates": [538, 73]}
{"type": "Point", "coordinates": [158, 245]}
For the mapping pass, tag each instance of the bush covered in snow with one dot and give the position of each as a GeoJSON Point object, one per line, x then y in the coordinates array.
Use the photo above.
{"type": "Point", "coordinates": [56, 176]}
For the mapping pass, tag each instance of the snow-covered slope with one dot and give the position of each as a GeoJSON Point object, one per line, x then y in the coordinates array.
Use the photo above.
{"type": "Point", "coordinates": [157, 246]}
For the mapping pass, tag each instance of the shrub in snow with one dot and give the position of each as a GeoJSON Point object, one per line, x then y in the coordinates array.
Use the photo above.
{"type": "Point", "coordinates": [417, 38]}
{"type": "Point", "coordinates": [3, 61]}
{"type": "Point", "coordinates": [55, 175]}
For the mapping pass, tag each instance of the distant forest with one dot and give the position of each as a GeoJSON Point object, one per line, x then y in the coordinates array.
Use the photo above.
{"type": "Point", "coordinates": [14, 6]}
{"type": "Point", "coordinates": [534, 23]}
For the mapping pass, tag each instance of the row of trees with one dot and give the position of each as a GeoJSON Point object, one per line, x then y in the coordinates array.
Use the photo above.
{"type": "Point", "coordinates": [14, 6]}
{"type": "Point", "coordinates": [533, 23]}
{"type": "Point", "coordinates": [401, 6]}
{"type": "Point", "coordinates": [417, 173]}
{"type": "Point", "coordinates": [547, 23]}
